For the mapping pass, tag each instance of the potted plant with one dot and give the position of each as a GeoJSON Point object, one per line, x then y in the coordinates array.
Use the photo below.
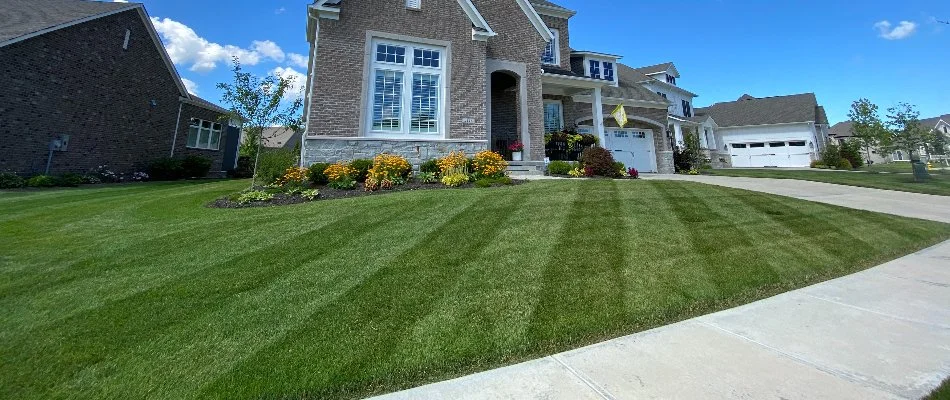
{"type": "Point", "coordinates": [516, 148]}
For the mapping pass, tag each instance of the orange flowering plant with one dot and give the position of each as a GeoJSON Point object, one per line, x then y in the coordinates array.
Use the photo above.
{"type": "Point", "coordinates": [294, 176]}
{"type": "Point", "coordinates": [488, 164]}
{"type": "Point", "coordinates": [340, 175]}
{"type": "Point", "coordinates": [454, 160]}
{"type": "Point", "coordinates": [390, 167]}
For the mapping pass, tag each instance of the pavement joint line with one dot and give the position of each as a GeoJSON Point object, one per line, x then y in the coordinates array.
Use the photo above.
{"type": "Point", "coordinates": [837, 374]}
{"type": "Point", "coordinates": [603, 393]}
{"type": "Point", "coordinates": [926, 282]}
{"type": "Point", "coordinates": [878, 312]}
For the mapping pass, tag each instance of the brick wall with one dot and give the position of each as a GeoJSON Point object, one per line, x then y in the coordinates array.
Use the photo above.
{"type": "Point", "coordinates": [338, 95]}
{"type": "Point", "coordinates": [564, 36]}
{"type": "Point", "coordinates": [189, 111]}
{"type": "Point", "coordinates": [79, 81]}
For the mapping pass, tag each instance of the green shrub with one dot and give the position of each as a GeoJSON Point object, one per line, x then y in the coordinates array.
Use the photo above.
{"type": "Point", "coordinates": [195, 166]}
{"type": "Point", "coordinates": [9, 180]}
{"type": "Point", "coordinates": [851, 151]}
{"type": "Point", "coordinates": [345, 183]}
{"type": "Point", "coordinates": [69, 179]}
{"type": "Point", "coordinates": [431, 166]}
{"type": "Point", "coordinates": [41, 181]}
{"type": "Point", "coordinates": [316, 173]}
{"type": "Point", "coordinates": [831, 155]}
{"type": "Point", "coordinates": [559, 168]}
{"type": "Point", "coordinates": [817, 164]}
{"type": "Point", "coordinates": [244, 168]}
{"type": "Point", "coordinates": [273, 163]}
{"type": "Point", "coordinates": [844, 164]}
{"type": "Point", "coordinates": [165, 169]}
{"type": "Point", "coordinates": [427, 177]}
{"type": "Point", "coordinates": [362, 166]}
{"type": "Point", "coordinates": [600, 161]}
{"type": "Point", "coordinates": [620, 168]}
{"type": "Point", "coordinates": [254, 195]}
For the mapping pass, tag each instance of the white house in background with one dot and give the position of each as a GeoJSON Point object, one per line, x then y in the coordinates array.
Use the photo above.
{"type": "Point", "coordinates": [662, 81]}
{"type": "Point", "coordinates": [781, 131]}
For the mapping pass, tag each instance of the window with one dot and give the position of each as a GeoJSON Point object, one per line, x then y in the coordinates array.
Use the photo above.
{"type": "Point", "coordinates": [898, 155]}
{"type": "Point", "coordinates": [552, 52]}
{"type": "Point", "coordinates": [670, 79]}
{"type": "Point", "coordinates": [640, 135]}
{"type": "Point", "coordinates": [204, 134]}
{"type": "Point", "coordinates": [797, 144]}
{"type": "Point", "coordinates": [414, 4]}
{"type": "Point", "coordinates": [661, 94]}
{"type": "Point", "coordinates": [738, 145]}
{"type": "Point", "coordinates": [407, 89]}
{"type": "Point", "coordinates": [777, 144]}
{"type": "Point", "coordinates": [594, 68]}
{"type": "Point", "coordinates": [687, 110]}
{"type": "Point", "coordinates": [608, 71]}
{"type": "Point", "coordinates": [754, 145]}
{"type": "Point", "coordinates": [553, 116]}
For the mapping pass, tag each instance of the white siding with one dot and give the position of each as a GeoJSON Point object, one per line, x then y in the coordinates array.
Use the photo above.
{"type": "Point", "coordinates": [674, 96]}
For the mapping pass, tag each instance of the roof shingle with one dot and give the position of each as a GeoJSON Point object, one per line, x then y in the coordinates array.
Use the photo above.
{"type": "Point", "coordinates": [23, 17]}
{"type": "Point", "coordinates": [766, 111]}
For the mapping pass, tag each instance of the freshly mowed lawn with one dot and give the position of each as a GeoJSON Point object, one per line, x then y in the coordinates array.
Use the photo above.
{"type": "Point", "coordinates": [900, 168]}
{"type": "Point", "coordinates": [140, 291]}
{"type": "Point", "coordinates": [939, 183]}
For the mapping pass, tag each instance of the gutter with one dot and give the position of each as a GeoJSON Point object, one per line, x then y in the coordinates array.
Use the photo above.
{"type": "Point", "coordinates": [177, 125]}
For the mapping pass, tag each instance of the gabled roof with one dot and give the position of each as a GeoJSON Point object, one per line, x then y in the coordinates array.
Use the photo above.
{"type": "Point", "coordinates": [841, 130]}
{"type": "Point", "coordinates": [198, 101]}
{"type": "Point", "coordinates": [548, 8]}
{"type": "Point", "coordinates": [629, 76]}
{"type": "Point", "coordinates": [659, 68]}
{"type": "Point", "coordinates": [820, 116]}
{"type": "Point", "coordinates": [21, 19]}
{"type": "Point", "coordinates": [330, 9]}
{"type": "Point", "coordinates": [931, 123]}
{"type": "Point", "coordinates": [765, 111]}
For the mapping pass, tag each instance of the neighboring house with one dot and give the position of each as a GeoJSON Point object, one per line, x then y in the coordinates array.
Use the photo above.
{"type": "Point", "coordinates": [279, 137]}
{"type": "Point", "coordinates": [94, 79]}
{"type": "Point", "coordinates": [842, 131]}
{"type": "Point", "coordinates": [422, 79]}
{"type": "Point", "coordinates": [781, 131]}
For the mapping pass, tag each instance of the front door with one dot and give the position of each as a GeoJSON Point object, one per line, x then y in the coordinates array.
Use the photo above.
{"type": "Point", "coordinates": [632, 147]}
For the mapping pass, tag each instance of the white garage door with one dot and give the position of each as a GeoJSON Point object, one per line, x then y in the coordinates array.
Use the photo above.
{"type": "Point", "coordinates": [632, 147]}
{"type": "Point", "coordinates": [794, 153]}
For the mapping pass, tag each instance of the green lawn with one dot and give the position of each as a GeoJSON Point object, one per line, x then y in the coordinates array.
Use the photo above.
{"type": "Point", "coordinates": [140, 291]}
{"type": "Point", "coordinates": [938, 184]}
{"type": "Point", "coordinates": [901, 168]}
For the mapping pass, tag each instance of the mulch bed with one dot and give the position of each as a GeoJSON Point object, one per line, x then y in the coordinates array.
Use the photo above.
{"type": "Point", "coordinates": [328, 193]}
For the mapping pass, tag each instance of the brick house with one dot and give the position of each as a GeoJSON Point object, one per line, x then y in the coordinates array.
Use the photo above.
{"type": "Point", "coordinates": [423, 78]}
{"type": "Point", "coordinates": [95, 77]}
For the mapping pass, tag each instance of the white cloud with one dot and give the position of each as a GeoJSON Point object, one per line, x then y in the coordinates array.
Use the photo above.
{"type": "Point", "coordinates": [190, 85]}
{"type": "Point", "coordinates": [280, 10]}
{"type": "Point", "coordinates": [298, 60]}
{"type": "Point", "coordinates": [901, 31]}
{"type": "Point", "coordinates": [184, 46]}
{"type": "Point", "coordinates": [120, 1]}
{"type": "Point", "coordinates": [296, 90]}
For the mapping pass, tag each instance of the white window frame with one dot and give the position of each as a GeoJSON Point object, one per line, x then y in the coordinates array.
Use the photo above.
{"type": "Point", "coordinates": [560, 113]}
{"type": "Point", "coordinates": [215, 128]}
{"type": "Point", "coordinates": [408, 69]}
{"type": "Point", "coordinates": [557, 48]}
{"type": "Point", "coordinates": [600, 66]}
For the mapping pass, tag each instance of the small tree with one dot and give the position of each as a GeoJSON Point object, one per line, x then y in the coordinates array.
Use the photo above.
{"type": "Point", "coordinates": [260, 103]}
{"type": "Point", "coordinates": [851, 151]}
{"type": "Point", "coordinates": [906, 133]}
{"type": "Point", "coordinates": [866, 126]}
{"type": "Point", "coordinates": [693, 151]}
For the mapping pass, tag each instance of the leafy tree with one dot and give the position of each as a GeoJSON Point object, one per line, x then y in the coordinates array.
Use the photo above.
{"type": "Point", "coordinates": [906, 133]}
{"type": "Point", "coordinates": [260, 103]}
{"type": "Point", "coordinates": [690, 156]}
{"type": "Point", "coordinates": [866, 126]}
{"type": "Point", "coordinates": [851, 151]}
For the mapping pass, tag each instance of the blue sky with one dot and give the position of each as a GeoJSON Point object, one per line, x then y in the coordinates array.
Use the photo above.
{"type": "Point", "coordinates": [837, 49]}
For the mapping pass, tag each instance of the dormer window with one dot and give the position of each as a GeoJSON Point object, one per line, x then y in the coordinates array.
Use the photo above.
{"type": "Point", "coordinates": [687, 109]}
{"type": "Point", "coordinates": [670, 79]}
{"type": "Point", "coordinates": [552, 52]}
{"type": "Point", "coordinates": [594, 68]}
{"type": "Point", "coordinates": [608, 71]}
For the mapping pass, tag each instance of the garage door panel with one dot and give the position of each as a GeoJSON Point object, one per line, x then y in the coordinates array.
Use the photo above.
{"type": "Point", "coordinates": [787, 153]}
{"type": "Point", "coordinates": [632, 147]}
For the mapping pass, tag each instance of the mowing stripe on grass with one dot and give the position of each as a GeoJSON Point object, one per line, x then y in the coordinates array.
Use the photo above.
{"type": "Point", "coordinates": [339, 350]}
{"type": "Point", "coordinates": [583, 285]}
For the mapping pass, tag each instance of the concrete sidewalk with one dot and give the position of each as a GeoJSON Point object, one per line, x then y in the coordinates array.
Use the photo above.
{"type": "Point", "coordinates": [883, 333]}
{"type": "Point", "coordinates": [914, 205]}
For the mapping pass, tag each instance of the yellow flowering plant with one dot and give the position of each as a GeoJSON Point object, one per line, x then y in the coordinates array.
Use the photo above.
{"type": "Point", "coordinates": [340, 175]}
{"type": "Point", "coordinates": [390, 168]}
{"type": "Point", "coordinates": [455, 159]}
{"type": "Point", "coordinates": [294, 176]}
{"type": "Point", "coordinates": [488, 164]}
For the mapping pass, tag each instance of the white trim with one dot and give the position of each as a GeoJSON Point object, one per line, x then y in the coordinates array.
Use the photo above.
{"type": "Point", "coordinates": [177, 125]}
{"type": "Point", "coordinates": [66, 25]}
{"type": "Point", "coordinates": [325, 12]}
{"type": "Point", "coordinates": [595, 54]}
{"type": "Point", "coordinates": [613, 101]}
{"type": "Point", "coordinates": [477, 21]}
{"type": "Point", "coordinates": [519, 69]}
{"type": "Point", "coordinates": [672, 86]}
{"type": "Point", "coordinates": [557, 12]}
{"type": "Point", "coordinates": [657, 124]}
{"type": "Point", "coordinates": [211, 132]}
{"type": "Point", "coordinates": [409, 139]}
{"type": "Point", "coordinates": [573, 81]}
{"type": "Point", "coordinates": [308, 100]}
{"type": "Point", "coordinates": [776, 124]}
{"type": "Point", "coordinates": [125, 42]}
{"type": "Point", "coordinates": [535, 19]}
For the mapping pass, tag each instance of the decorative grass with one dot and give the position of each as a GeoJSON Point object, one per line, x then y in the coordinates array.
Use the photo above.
{"type": "Point", "coordinates": [137, 291]}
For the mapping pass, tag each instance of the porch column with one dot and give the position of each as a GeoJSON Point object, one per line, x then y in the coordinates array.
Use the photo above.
{"type": "Point", "coordinates": [597, 111]}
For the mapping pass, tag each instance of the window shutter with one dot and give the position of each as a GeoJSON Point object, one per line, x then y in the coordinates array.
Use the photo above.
{"type": "Point", "coordinates": [417, 4]}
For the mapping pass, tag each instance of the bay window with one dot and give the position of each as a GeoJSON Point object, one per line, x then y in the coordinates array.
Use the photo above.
{"type": "Point", "coordinates": [407, 89]}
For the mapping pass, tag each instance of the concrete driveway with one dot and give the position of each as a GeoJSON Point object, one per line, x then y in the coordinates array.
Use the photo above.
{"type": "Point", "coordinates": [883, 333]}
{"type": "Point", "coordinates": [914, 205]}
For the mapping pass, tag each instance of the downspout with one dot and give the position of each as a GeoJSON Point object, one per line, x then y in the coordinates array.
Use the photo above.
{"type": "Point", "coordinates": [309, 92]}
{"type": "Point", "coordinates": [177, 124]}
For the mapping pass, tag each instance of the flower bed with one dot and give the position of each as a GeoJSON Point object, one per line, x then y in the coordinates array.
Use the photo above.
{"type": "Point", "coordinates": [595, 162]}
{"type": "Point", "coordinates": [389, 173]}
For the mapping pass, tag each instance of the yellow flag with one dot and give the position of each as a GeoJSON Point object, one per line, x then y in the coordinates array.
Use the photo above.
{"type": "Point", "coordinates": [620, 115]}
